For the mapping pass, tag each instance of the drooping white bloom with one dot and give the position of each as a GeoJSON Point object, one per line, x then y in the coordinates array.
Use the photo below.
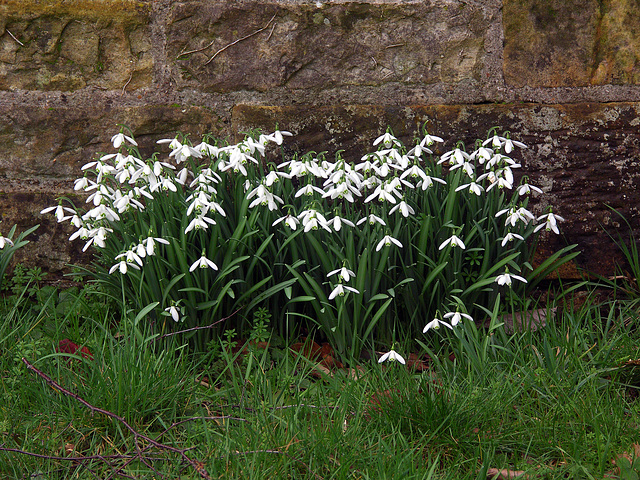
{"type": "Point", "coordinates": [509, 237]}
{"type": "Point", "coordinates": [429, 140]}
{"type": "Point", "coordinates": [404, 208]}
{"type": "Point", "coordinates": [344, 273]}
{"type": "Point", "coordinates": [456, 317]}
{"type": "Point", "coordinates": [130, 256]}
{"type": "Point", "coordinates": [308, 190]}
{"type": "Point", "coordinates": [4, 241]}
{"type": "Point", "coordinates": [473, 188]}
{"type": "Point", "coordinates": [312, 220]}
{"type": "Point", "coordinates": [415, 172]}
{"type": "Point", "coordinates": [515, 215]}
{"type": "Point", "coordinates": [277, 136]}
{"type": "Point", "coordinates": [337, 221]}
{"type": "Point", "coordinates": [526, 188]}
{"type": "Point", "coordinates": [372, 219]}
{"type": "Point", "coordinates": [507, 278]}
{"type": "Point", "coordinates": [59, 212]}
{"type": "Point", "coordinates": [199, 222]}
{"type": "Point", "coordinates": [386, 241]}
{"type": "Point", "coordinates": [339, 290]}
{"type": "Point", "coordinates": [392, 356]}
{"type": "Point", "coordinates": [454, 157]}
{"type": "Point", "coordinates": [289, 220]}
{"type": "Point", "coordinates": [203, 262]}
{"type": "Point", "coordinates": [509, 144]}
{"type": "Point", "coordinates": [174, 312]}
{"type": "Point", "coordinates": [454, 241]}
{"type": "Point", "coordinates": [150, 244]}
{"type": "Point", "coordinates": [550, 222]}
{"type": "Point", "coordinates": [387, 140]}
{"type": "Point", "coordinates": [119, 138]}
{"type": "Point", "coordinates": [428, 182]}
{"type": "Point", "coordinates": [123, 266]}
{"type": "Point", "coordinates": [435, 325]}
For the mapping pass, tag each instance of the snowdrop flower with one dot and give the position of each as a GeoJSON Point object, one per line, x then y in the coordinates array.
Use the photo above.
{"type": "Point", "coordinates": [123, 266]}
{"type": "Point", "coordinates": [466, 166]}
{"type": "Point", "coordinates": [312, 219]}
{"type": "Point", "coordinates": [415, 172]}
{"type": "Point", "coordinates": [392, 356]}
{"type": "Point", "coordinates": [383, 192]}
{"type": "Point", "coordinates": [339, 290]}
{"type": "Point", "coordinates": [308, 190]}
{"type": "Point", "coordinates": [509, 144]}
{"type": "Point", "coordinates": [435, 325]}
{"type": "Point", "coordinates": [4, 241]}
{"type": "Point", "coordinates": [59, 212]}
{"type": "Point", "coordinates": [387, 140]}
{"type": "Point", "coordinates": [200, 222]}
{"type": "Point", "coordinates": [278, 136]}
{"type": "Point", "coordinates": [429, 140]}
{"type": "Point", "coordinates": [289, 220]}
{"type": "Point", "coordinates": [418, 150]}
{"type": "Point", "coordinates": [526, 188]}
{"type": "Point", "coordinates": [455, 157]}
{"type": "Point", "coordinates": [83, 184]}
{"type": "Point", "coordinates": [343, 273]}
{"type": "Point", "coordinates": [149, 244]}
{"type": "Point", "coordinates": [428, 182]}
{"type": "Point", "coordinates": [550, 222]}
{"type": "Point", "coordinates": [130, 256]}
{"type": "Point", "coordinates": [386, 241]}
{"type": "Point", "coordinates": [174, 312]}
{"type": "Point", "coordinates": [483, 154]}
{"type": "Point", "coordinates": [372, 219]}
{"type": "Point", "coordinates": [454, 241]}
{"type": "Point", "coordinates": [337, 221]}
{"type": "Point", "coordinates": [507, 278]}
{"type": "Point", "coordinates": [495, 141]}
{"type": "Point", "coordinates": [509, 237]}
{"type": "Point", "coordinates": [203, 262]}
{"type": "Point", "coordinates": [456, 317]}
{"type": "Point", "coordinates": [473, 188]}
{"type": "Point", "coordinates": [515, 215]}
{"type": "Point", "coordinates": [404, 208]}
{"type": "Point", "coordinates": [119, 139]}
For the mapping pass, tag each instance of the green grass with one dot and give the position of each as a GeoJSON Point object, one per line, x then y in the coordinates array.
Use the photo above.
{"type": "Point", "coordinates": [549, 403]}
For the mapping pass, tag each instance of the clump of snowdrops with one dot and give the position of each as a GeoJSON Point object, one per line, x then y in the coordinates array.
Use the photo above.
{"type": "Point", "coordinates": [397, 242]}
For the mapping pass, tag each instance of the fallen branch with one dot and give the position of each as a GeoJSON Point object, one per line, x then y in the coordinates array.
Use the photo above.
{"type": "Point", "coordinates": [198, 466]}
{"type": "Point", "coordinates": [198, 328]}
{"type": "Point", "coordinates": [241, 39]}
{"type": "Point", "coordinates": [11, 35]}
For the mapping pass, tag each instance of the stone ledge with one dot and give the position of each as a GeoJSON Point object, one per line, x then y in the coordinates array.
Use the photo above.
{"type": "Point", "coordinates": [52, 143]}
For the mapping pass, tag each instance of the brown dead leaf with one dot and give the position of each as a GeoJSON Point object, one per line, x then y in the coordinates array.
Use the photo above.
{"type": "Point", "coordinates": [630, 456]}
{"type": "Point", "coordinates": [416, 363]}
{"type": "Point", "coordinates": [505, 474]}
{"type": "Point", "coordinates": [320, 371]}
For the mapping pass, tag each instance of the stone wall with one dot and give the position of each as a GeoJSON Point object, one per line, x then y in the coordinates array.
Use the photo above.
{"type": "Point", "coordinates": [562, 75]}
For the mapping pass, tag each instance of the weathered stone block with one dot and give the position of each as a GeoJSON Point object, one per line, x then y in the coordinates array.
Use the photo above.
{"type": "Point", "coordinates": [51, 144]}
{"type": "Point", "coordinates": [59, 45]}
{"type": "Point", "coordinates": [560, 43]}
{"type": "Point", "coordinates": [221, 46]}
{"type": "Point", "coordinates": [584, 156]}
{"type": "Point", "coordinates": [49, 247]}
